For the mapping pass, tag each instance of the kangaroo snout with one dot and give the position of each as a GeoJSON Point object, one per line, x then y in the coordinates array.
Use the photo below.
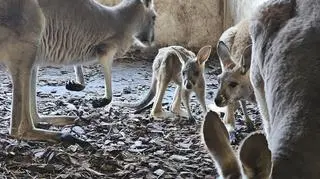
{"type": "Point", "coordinates": [220, 100]}
{"type": "Point", "coordinates": [188, 85]}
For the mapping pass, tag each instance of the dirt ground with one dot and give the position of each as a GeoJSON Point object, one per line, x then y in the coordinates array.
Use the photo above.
{"type": "Point", "coordinates": [126, 145]}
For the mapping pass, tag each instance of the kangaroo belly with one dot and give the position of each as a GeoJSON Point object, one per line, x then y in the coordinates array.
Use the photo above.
{"type": "Point", "coordinates": [74, 32]}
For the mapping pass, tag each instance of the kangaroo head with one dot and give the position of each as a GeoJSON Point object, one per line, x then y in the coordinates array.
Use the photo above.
{"type": "Point", "coordinates": [254, 159]}
{"type": "Point", "coordinates": [146, 31]}
{"type": "Point", "coordinates": [192, 66]}
{"type": "Point", "coordinates": [234, 80]}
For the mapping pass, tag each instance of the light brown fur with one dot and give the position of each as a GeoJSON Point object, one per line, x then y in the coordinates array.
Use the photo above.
{"type": "Point", "coordinates": [186, 70]}
{"type": "Point", "coordinates": [234, 51]}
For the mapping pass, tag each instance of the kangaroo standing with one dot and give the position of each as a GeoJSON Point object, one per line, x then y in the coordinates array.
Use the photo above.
{"type": "Point", "coordinates": [63, 32]}
{"type": "Point", "coordinates": [234, 51]}
{"type": "Point", "coordinates": [285, 73]}
{"type": "Point", "coordinates": [186, 70]}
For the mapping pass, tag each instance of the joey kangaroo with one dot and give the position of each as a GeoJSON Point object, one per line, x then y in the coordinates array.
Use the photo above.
{"type": "Point", "coordinates": [285, 77]}
{"type": "Point", "coordinates": [63, 32]}
{"type": "Point", "coordinates": [186, 70]}
{"type": "Point", "coordinates": [234, 51]}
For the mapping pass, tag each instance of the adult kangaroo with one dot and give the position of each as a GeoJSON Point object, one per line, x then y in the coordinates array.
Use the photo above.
{"type": "Point", "coordinates": [63, 32]}
{"type": "Point", "coordinates": [285, 73]}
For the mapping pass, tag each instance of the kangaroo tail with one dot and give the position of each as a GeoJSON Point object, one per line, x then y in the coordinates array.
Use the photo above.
{"type": "Point", "coordinates": [147, 99]}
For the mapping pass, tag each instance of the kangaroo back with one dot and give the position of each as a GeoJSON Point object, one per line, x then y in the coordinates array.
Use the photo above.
{"type": "Point", "coordinates": [286, 63]}
{"type": "Point", "coordinates": [284, 73]}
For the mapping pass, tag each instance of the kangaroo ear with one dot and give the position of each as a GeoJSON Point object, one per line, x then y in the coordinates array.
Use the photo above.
{"type": "Point", "coordinates": [147, 3]}
{"type": "Point", "coordinates": [204, 54]}
{"type": "Point", "coordinates": [255, 156]}
{"type": "Point", "coordinates": [245, 61]}
{"type": "Point", "coordinates": [216, 139]}
{"type": "Point", "coordinates": [224, 56]}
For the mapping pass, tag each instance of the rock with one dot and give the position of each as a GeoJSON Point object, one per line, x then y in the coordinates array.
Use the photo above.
{"type": "Point", "coordinates": [178, 158]}
{"type": "Point", "coordinates": [159, 172]}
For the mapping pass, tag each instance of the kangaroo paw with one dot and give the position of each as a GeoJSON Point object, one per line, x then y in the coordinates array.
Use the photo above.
{"type": "Point", "coordinates": [102, 102]}
{"type": "Point", "coordinates": [74, 86]}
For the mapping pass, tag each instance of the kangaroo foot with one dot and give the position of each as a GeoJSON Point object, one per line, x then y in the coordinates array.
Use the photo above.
{"type": "Point", "coordinates": [102, 102]}
{"type": "Point", "coordinates": [162, 114]}
{"type": "Point", "coordinates": [74, 86]}
{"type": "Point", "coordinates": [50, 136]}
{"type": "Point", "coordinates": [58, 120]}
{"type": "Point", "coordinates": [180, 112]}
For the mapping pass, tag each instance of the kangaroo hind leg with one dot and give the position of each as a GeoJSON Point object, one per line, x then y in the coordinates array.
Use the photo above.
{"type": "Point", "coordinates": [157, 110]}
{"type": "Point", "coordinates": [54, 120]}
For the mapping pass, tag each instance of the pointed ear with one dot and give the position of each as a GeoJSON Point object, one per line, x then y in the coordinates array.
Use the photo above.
{"type": "Point", "coordinates": [245, 61]}
{"type": "Point", "coordinates": [147, 3]}
{"type": "Point", "coordinates": [255, 156]}
{"type": "Point", "coordinates": [204, 54]}
{"type": "Point", "coordinates": [216, 139]}
{"type": "Point", "coordinates": [224, 56]}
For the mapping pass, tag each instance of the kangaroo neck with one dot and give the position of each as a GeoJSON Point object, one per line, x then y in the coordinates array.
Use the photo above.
{"type": "Point", "coordinates": [129, 13]}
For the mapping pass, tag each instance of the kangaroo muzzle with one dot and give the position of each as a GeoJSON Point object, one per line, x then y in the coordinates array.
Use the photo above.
{"type": "Point", "coordinates": [188, 85]}
{"type": "Point", "coordinates": [220, 101]}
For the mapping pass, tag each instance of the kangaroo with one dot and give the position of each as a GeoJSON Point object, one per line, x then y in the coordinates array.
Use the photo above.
{"type": "Point", "coordinates": [186, 70]}
{"type": "Point", "coordinates": [234, 51]}
{"type": "Point", "coordinates": [284, 74]}
{"type": "Point", "coordinates": [63, 32]}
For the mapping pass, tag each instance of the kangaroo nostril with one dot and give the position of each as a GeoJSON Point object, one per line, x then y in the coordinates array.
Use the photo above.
{"type": "Point", "coordinates": [188, 85]}
{"type": "Point", "coordinates": [218, 101]}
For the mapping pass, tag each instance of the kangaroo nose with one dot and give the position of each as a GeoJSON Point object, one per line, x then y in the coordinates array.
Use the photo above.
{"type": "Point", "coordinates": [188, 85]}
{"type": "Point", "coordinates": [218, 101]}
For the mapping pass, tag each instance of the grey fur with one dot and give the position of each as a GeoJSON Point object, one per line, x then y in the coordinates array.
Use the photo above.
{"type": "Point", "coordinates": [62, 32]}
{"type": "Point", "coordinates": [285, 76]}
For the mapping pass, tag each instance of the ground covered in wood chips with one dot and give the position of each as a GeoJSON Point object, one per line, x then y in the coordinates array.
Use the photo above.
{"type": "Point", "coordinates": [125, 145]}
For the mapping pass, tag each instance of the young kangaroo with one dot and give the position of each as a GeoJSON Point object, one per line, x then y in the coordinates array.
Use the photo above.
{"type": "Point", "coordinates": [63, 32]}
{"type": "Point", "coordinates": [234, 51]}
{"type": "Point", "coordinates": [186, 70]}
{"type": "Point", "coordinates": [285, 76]}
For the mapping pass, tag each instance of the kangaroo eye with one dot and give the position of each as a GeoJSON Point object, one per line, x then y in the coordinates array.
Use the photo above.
{"type": "Point", "coordinates": [154, 17]}
{"type": "Point", "coordinates": [233, 84]}
{"type": "Point", "coordinates": [184, 73]}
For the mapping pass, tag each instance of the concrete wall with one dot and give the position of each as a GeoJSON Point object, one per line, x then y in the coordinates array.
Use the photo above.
{"type": "Point", "coordinates": [194, 23]}
{"type": "Point", "coordinates": [235, 10]}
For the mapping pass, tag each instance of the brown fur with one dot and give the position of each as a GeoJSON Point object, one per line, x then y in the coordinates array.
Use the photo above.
{"type": "Point", "coordinates": [234, 51]}
{"type": "Point", "coordinates": [186, 70]}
